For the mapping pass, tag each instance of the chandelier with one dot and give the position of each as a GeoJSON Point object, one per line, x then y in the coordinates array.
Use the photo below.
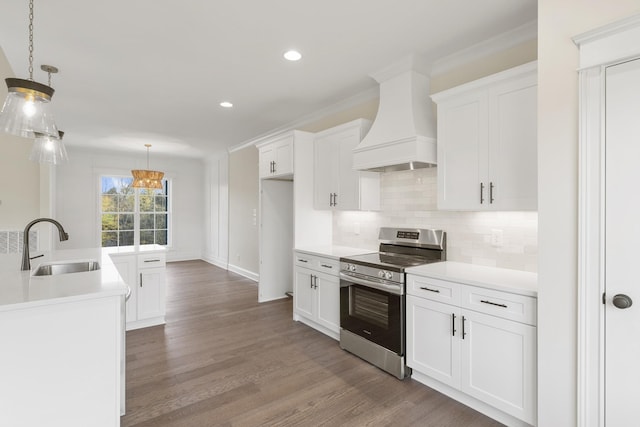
{"type": "Point", "coordinates": [26, 110]}
{"type": "Point", "coordinates": [146, 178]}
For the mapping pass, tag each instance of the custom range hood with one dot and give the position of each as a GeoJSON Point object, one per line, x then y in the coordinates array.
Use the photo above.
{"type": "Point", "coordinates": [403, 134]}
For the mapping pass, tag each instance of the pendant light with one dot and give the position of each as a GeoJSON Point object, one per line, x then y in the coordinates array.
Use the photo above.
{"type": "Point", "coordinates": [26, 111]}
{"type": "Point", "coordinates": [146, 178]}
{"type": "Point", "coordinates": [47, 149]}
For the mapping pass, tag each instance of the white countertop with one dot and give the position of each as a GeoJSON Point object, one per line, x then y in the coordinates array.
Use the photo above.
{"type": "Point", "coordinates": [335, 252]}
{"type": "Point", "coordinates": [519, 282]}
{"type": "Point", "coordinates": [18, 289]}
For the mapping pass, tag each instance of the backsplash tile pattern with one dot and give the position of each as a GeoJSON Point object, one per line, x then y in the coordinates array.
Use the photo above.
{"type": "Point", "coordinates": [11, 241]}
{"type": "Point", "coordinates": [409, 199]}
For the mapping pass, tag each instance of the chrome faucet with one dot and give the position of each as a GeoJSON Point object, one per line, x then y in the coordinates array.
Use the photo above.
{"type": "Point", "coordinates": [26, 261]}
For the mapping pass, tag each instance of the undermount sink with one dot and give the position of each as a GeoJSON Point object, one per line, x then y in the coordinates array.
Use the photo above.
{"type": "Point", "coordinates": [66, 268]}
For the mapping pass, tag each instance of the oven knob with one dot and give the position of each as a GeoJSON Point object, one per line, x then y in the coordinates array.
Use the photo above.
{"type": "Point", "coordinates": [381, 274]}
{"type": "Point", "coordinates": [388, 275]}
{"type": "Point", "coordinates": [352, 267]}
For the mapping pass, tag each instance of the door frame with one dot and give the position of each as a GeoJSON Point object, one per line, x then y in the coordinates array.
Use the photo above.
{"type": "Point", "coordinates": [599, 48]}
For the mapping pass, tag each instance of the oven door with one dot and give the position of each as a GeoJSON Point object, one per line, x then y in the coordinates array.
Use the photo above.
{"type": "Point", "coordinates": [374, 311]}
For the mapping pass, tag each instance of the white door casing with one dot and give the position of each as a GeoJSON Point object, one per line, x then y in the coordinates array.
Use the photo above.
{"type": "Point", "coordinates": [600, 48]}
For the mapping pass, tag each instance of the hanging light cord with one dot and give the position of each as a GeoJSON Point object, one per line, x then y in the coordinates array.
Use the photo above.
{"type": "Point", "coordinates": [31, 40]}
{"type": "Point", "coordinates": [147, 145]}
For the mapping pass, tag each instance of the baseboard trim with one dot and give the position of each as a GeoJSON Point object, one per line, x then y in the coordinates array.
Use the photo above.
{"type": "Point", "coordinates": [243, 272]}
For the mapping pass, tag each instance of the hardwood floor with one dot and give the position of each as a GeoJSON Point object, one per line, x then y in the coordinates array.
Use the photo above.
{"type": "Point", "coordinates": [222, 359]}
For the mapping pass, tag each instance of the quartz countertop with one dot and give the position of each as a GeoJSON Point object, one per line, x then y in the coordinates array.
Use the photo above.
{"type": "Point", "coordinates": [18, 289]}
{"type": "Point", "coordinates": [514, 281]}
{"type": "Point", "coordinates": [334, 252]}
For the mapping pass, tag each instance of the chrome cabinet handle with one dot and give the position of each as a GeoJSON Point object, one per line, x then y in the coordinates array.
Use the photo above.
{"type": "Point", "coordinates": [330, 199]}
{"type": "Point", "coordinates": [140, 279]}
{"type": "Point", "coordinates": [302, 260]}
{"type": "Point", "coordinates": [493, 303]}
{"type": "Point", "coordinates": [274, 166]}
{"type": "Point", "coordinates": [335, 199]}
{"type": "Point", "coordinates": [430, 290]}
{"type": "Point", "coordinates": [482, 193]}
{"type": "Point", "coordinates": [152, 260]}
{"type": "Point", "coordinates": [491, 186]}
{"type": "Point", "coordinates": [326, 266]}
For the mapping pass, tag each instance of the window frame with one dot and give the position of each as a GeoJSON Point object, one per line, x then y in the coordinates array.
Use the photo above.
{"type": "Point", "coordinates": [99, 175]}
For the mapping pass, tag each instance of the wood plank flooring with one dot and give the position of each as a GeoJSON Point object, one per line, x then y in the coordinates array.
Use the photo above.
{"type": "Point", "coordinates": [222, 359]}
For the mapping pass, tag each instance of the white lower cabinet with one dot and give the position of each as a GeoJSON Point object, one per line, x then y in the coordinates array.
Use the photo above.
{"type": "Point", "coordinates": [145, 276]}
{"type": "Point", "coordinates": [316, 293]}
{"type": "Point", "coordinates": [484, 359]}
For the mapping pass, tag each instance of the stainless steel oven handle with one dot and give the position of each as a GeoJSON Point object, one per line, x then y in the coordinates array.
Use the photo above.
{"type": "Point", "coordinates": [394, 289]}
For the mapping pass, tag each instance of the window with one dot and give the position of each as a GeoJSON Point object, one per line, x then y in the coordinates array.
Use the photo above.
{"type": "Point", "coordinates": [130, 216]}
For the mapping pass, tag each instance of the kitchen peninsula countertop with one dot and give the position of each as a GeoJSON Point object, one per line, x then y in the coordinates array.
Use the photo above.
{"type": "Point", "coordinates": [333, 251]}
{"type": "Point", "coordinates": [19, 289]}
{"type": "Point", "coordinates": [514, 281]}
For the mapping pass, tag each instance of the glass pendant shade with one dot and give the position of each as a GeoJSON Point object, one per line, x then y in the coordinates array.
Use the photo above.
{"type": "Point", "coordinates": [49, 150]}
{"type": "Point", "coordinates": [26, 111]}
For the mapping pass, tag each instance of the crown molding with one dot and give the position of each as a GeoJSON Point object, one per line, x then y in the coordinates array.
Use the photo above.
{"type": "Point", "coordinates": [514, 37]}
{"type": "Point", "coordinates": [338, 107]}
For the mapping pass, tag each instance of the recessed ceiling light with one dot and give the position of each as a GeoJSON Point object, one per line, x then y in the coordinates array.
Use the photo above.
{"type": "Point", "coordinates": [226, 104]}
{"type": "Point", "coordinates": [292, 55]}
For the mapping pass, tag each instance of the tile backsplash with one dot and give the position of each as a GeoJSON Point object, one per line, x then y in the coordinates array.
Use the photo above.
{"type": "Point", "coordinates": [409, 199]}
{"type": "Point", "coordinates": [11, 241]}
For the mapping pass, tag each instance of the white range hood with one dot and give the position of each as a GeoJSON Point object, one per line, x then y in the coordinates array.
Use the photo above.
{"type": "Point", "coordinates": [403, 134]}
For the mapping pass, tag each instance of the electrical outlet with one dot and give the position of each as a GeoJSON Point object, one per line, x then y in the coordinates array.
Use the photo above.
{"type": "Point", "coordinates": [497, 239]}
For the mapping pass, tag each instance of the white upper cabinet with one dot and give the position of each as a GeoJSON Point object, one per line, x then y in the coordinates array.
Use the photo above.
{"type": "Point", "coordinates": [276, 157]}
{"type": "Point", "coordinates": [336, 184]}
{"type": "Point", "coordinates": [487, 142]}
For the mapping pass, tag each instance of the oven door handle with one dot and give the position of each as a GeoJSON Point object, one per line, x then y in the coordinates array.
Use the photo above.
{"type": "Point", "coordinates": [394, 289]}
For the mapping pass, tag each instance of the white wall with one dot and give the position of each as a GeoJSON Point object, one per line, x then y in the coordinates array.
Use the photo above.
{"type": "Point", "coordinates": [243, 204]}
{"type": "Point", "coordinates": [19, 177]}
{"type": "Point", "coordinates": [558, 21]}
{"type": "Point", "coordinates": [216, 210]}
{"type": "Point", "coordinates": [76, 197]}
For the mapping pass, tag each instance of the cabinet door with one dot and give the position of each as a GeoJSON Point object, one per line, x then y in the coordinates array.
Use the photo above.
{"type": "Point", "coordinates": [433, 343]}
{"type": "Point", "coordinates": [325, 172]}
{"type": "Point", "coordinates": [349, 180]}
{"type": "Point", "coordinates": [498, 363]}
{"type": "Point", "coordinates": [303, 293]}
{"type": "Point", "coordinates": [151, 293]}
{"type": "Point", "coordinates": [462, 152]}
{"type": "Point", "coordinates": [283, 157]}
{"type": "Point", "coordinates": [328, 301]}
{"type": "Point", "coordinates": [267, 157]}
{"type": "Point", "coordinates": [513, 145]}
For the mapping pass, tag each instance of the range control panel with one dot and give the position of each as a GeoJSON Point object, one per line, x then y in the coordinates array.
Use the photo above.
{"type": "Point", "coordinates": [414, 235]}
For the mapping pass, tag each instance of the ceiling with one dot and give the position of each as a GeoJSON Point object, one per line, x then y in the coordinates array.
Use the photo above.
{"type": "Point", "coordinates": [154, 71]}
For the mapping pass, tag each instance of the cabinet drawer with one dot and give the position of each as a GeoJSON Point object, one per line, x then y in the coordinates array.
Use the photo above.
{"type": "Point", "coordinates": [303, 260]}
{"type": "Point", "coordinates": [500, 304]}
{"type": "Point", "coordinates": [327, 265]}
{"type": "Point", "coordinates": [433, 289]}
{"type": "Point", "coordinates": [317, 263]}
{"type": "Point", "coordinates": [152, 260]}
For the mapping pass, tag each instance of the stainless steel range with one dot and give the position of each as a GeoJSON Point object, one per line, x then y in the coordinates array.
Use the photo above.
{"type": "Point", "coordinates": [372, 295]}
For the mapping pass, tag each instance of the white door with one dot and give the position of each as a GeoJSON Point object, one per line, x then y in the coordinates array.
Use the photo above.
{"type": "Point", "coordinates": [328, 301]}
{"type": "Point", "coordinates": [150, 293]}
{"type": "Point", "coordinates": [622, 250]}
{"type": "Point", "coordinates": [303, 292]}
{"type": "Point", "coordinates": [433, 339]}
